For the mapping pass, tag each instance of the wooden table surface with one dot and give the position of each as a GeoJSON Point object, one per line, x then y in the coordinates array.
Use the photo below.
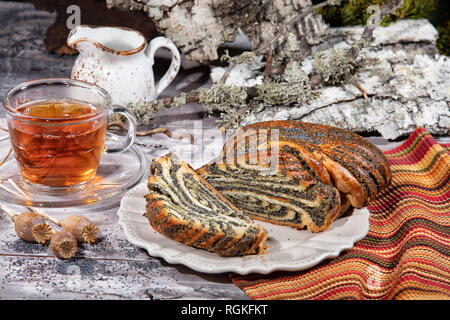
{"type": "Point", "coordinates": [112, 268]}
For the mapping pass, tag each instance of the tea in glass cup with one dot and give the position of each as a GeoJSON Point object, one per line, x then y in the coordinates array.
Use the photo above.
{"type": "Point", "coordinates": [57, 130]}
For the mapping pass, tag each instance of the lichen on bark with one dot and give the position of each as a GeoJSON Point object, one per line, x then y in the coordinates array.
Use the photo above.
{"type": "Point", "coordinates": [366, 79]}
{"type": "Point", "coordinates": [335, 65]}
{"type": "Point", "coordinates": [222, 97]}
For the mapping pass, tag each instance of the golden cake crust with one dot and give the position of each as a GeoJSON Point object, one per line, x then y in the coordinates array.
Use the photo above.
{"type": "Point", "coordinates": [332, 156]}
{"type": "Point", "coordinates": [357, 167]}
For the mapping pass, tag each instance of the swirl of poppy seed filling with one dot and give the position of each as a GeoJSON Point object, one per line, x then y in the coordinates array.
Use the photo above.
{"type": "Point", "coordinates": [280, 199]}
{"type": "Point", "coordinates": [337, 169]}
{"type": "Point", "coordinates": [345, 147]}
{"type": "Point", "coordinates": [184, 207]}
{"type": "Point", "coordinates": [320, 172]}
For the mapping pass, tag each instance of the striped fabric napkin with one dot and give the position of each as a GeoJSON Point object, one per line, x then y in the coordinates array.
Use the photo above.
{"type": "Point", "coordinates": [406, 254]}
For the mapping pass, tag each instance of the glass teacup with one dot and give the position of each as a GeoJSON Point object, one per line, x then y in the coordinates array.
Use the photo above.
{"type": "Point", "coordinates": [57, 129]}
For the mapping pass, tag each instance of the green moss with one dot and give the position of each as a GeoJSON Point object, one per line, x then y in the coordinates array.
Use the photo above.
{"type": "Point", "coordinates": [444, 38]}
{"type": "Point", "coordinates": [354, 12]}
{"type": "Point", "coordinates": [416, 9]}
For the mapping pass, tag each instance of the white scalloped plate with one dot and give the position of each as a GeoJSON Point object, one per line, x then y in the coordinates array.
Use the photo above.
{"type": "Point", "coordinates": [288, 249]}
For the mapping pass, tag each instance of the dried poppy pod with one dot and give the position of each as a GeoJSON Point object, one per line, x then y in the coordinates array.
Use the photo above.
{"type": "Point", "coordinates": [63, 244]}
{"type": "Point", "coordinates": [81, 227]}
{"type": "Point", "coordinates": [30, 226]}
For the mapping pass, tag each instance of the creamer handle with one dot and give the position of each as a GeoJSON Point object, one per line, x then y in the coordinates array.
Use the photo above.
{"type": "Point", "coordinates": [172, 72]}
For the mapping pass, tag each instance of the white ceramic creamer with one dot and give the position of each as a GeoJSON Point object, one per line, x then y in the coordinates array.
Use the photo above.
{"type": "Point", "coordinates": [120, 60]}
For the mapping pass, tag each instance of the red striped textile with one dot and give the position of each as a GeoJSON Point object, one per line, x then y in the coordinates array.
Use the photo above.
{"type": "Point", "coordinates": [406, 252]}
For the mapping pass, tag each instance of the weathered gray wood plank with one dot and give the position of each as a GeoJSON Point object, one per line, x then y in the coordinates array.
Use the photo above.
{"type": "Point", "coordinates": [29, 277]}
{"type": "Point", "coordinates": [119, 269]}
{"type": "Point", "coordinates": [23, 56]}
{"type": "Point", "coordinates": [113, 268]}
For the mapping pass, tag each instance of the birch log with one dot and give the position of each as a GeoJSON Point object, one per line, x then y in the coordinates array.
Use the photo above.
{"type": "Point", "coordinates": [407, 86]}
{"type": "Point", "coordinates": [199, 27]}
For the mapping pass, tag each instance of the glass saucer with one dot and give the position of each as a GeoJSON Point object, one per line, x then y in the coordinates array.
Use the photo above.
{"type": "Point", "coordinates": [116, 174]}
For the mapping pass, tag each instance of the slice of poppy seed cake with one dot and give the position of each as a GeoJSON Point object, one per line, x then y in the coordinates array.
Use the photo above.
{"type": "Point", "coordinates": [185, 207]}
{"type": "Point", "coordinates": [289, 196]}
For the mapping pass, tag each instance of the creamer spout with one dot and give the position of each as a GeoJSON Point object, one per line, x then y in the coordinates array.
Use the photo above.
{"type": "Point", "coordinates": [114, 40]}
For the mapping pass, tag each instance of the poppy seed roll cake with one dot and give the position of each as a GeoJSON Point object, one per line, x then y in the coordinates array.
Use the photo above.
{"type": "Point", "coordinates": [185, 207]}
{"type": "Point", "coordinates": [334, 165]}
{"type": "Point", "coordinates": [291, 196]}
{"type": "Point", "coordinates": [347, 156]}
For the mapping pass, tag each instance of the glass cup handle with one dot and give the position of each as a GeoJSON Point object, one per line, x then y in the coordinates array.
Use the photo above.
{"type": "Point", "coordinates": [128, 140]}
